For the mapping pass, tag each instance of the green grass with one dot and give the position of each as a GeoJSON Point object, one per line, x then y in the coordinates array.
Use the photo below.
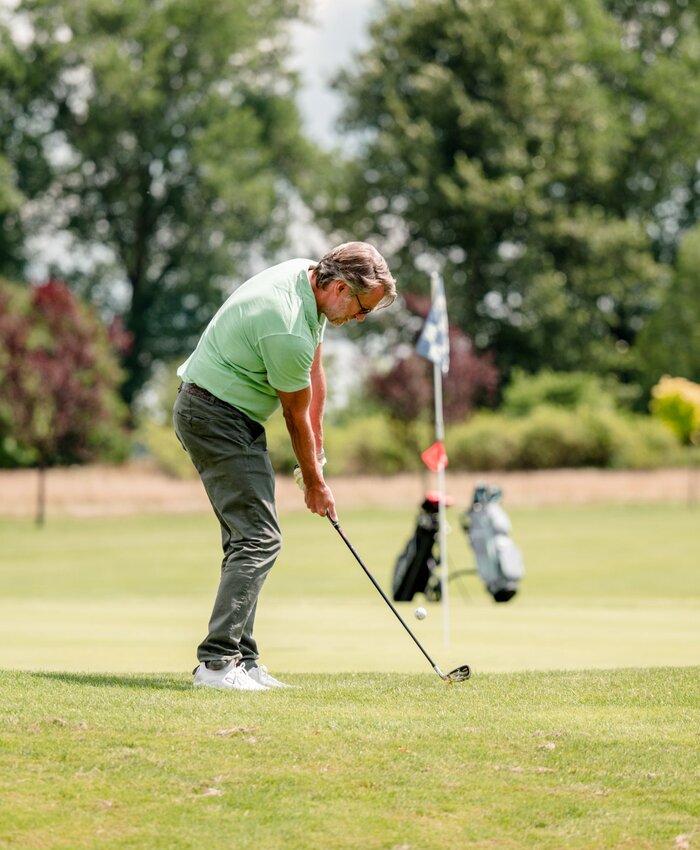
{"type": "Point", "coordinates": [588, 759]}
{"type": "Point", "coordinates": [104, 743]}
{"type": "Point", "coordinates": [606, 586]}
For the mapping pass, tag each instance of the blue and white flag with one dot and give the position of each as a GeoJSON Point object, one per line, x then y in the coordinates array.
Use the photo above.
{"type": "Point", "coordinates": [434, 340]}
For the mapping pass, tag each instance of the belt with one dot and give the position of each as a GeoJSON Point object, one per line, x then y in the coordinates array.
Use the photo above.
{"type": "Point", "coordinates": [200, 392]}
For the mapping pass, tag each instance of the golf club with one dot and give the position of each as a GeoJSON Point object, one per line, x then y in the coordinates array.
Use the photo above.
{"type": "Point", "coordinates": [459, 674]}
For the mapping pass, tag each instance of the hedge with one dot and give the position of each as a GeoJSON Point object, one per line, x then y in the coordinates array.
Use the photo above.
{"type": "Point", "coordinates": [551, 438]}
{"type": "Point", "coordinates": [547, 438]}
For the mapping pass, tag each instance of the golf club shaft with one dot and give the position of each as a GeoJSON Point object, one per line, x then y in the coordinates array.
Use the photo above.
{"type": "Point", "coordinates": [336, 526]}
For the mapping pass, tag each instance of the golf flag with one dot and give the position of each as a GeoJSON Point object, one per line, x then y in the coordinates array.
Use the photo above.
{"type": "Point", "coordinates": [434, 340]}
{"type": "Point", "coordinates": [435, 457]}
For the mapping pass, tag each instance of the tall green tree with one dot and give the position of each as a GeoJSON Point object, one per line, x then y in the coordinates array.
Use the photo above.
{"type": "Point", "coordinates": [10, 224]}
{"type": "Point", "coordinates": [164, 138]}
{"type": "Point", "coordinates": [525, 145]}
{"type": "Point", "coordinates": [651, 62]}
{"type": "Point", "coordinates": [11, 164]}
{"type": "Point", "coordinates": [670, 343]}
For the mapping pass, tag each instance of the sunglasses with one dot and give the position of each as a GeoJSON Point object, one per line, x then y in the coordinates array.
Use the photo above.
{"type": "Point", "coordinates": [363, 311]}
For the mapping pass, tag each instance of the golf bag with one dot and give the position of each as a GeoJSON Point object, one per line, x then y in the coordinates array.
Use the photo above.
{"type": "Point", "coordinates": [498, 559]}
{"type": "Point", "coordinates": [415, 569]}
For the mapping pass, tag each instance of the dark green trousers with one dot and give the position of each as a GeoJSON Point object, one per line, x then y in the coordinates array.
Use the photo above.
{"type": "Point", "coordinates": [229, 451]}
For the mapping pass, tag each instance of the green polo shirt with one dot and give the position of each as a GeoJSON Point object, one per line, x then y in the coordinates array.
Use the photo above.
{"type": "Point", "coordinates": [262, 339]}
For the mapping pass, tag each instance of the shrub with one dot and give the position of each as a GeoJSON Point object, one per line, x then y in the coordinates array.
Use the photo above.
{"type": "Point", "coordinates": [369, 446]}
{"type": "Point", "coordinates": [603, 433]}
{"type": "Point", "coordinates": [676, 403]}
{"type": "Point", "coordinates": [279, 445]}
{"type": "Point", "coordinates": [551, 438]}
{"type": "Point", "coordinates": [164, 448]}
{"type": "Point", "coordinates": [569, 390]}
{"type": "Point", "coordinates": [488, 441]}
{"type": "Point", "coordinates": [548, 438]}
{"type": "Point", "coordinates": [645, 444]}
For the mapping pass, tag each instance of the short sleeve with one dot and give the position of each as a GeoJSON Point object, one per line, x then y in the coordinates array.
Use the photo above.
{"type": "Point", "coordinates": [288, 359]}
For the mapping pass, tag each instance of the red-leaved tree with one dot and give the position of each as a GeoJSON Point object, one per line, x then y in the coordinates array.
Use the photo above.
{"type": "Point", "coordinates": [60, 378]}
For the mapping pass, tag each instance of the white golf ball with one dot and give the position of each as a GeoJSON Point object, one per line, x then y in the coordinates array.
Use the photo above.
{"type": "Point", "coordinates": [420, 613]}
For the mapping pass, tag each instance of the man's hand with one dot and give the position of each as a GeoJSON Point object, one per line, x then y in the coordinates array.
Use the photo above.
{"type": "Point", "coordinates": [319, 500]}
{"type": "Point", "coordinates": [309, 453]}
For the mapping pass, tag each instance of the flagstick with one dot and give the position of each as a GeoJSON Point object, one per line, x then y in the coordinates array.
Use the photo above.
{"type": "Point", "coordinates": [442, 517]}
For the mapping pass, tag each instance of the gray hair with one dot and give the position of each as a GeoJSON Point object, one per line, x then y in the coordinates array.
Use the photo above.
{"type": "Point", "coordinates": [361, 266]}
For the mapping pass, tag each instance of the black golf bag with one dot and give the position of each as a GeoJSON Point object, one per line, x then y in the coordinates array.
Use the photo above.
{"type": "Point", "coordinates": [498, 559]}
{"type": "Point", "coordinates": [415, 570]}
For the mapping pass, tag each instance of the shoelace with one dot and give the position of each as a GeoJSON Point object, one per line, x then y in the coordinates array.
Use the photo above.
{"type": "Point", "coordinates": [235, 672]}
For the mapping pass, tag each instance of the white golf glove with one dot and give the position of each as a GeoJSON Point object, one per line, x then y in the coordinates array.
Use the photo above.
{"type": "Point", "coordinates": [299, 478]}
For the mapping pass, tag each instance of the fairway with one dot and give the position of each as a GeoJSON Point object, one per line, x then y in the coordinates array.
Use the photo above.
{"type": "Point", "coordinates": [606, 586]}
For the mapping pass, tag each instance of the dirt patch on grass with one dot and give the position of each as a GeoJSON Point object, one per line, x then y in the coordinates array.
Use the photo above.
{"type": "Point", "coordinates": [138, 488]}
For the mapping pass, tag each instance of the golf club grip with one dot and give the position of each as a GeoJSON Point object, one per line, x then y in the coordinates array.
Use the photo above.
{"type": "Point", "coordinates": [336, 526]}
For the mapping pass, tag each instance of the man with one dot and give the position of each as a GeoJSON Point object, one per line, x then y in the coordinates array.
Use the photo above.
{"type": "Point", "coordinates": [263, 349]}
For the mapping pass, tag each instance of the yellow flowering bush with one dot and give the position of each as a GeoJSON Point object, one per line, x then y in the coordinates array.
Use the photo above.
{"type": "Point", "coordinates": [676, 402]}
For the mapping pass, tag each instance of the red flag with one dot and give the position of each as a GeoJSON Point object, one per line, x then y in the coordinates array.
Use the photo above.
{"type": "Point", "coordinates": [434, 496]}
{"type": "Point", "coordinates": [435, 457]}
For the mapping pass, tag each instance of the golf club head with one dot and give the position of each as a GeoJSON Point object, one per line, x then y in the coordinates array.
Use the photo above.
{"type": "Point", "coordinates": [459, 674]}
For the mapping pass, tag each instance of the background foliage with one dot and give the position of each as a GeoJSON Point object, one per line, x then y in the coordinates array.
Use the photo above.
{"type": "Point", "coordinates": [60, 380]}
{"type": "Point", "coordinates": [164, 140]}
{"type": "Point", "coordinates": [676, 401]}
{"type": "Point", "coordinates": [544, 156]}
{"type": "Point", "coordinates": [537, 429]}
{"type": "Point", "coordinates": [545, 153]}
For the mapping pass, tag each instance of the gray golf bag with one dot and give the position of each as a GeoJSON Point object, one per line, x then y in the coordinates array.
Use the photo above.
{"type": "Point", "coordinates": [498, 559]}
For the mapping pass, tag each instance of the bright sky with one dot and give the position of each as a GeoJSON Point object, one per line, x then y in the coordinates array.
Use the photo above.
{"type": "Point", "coordinates": [338, 29]}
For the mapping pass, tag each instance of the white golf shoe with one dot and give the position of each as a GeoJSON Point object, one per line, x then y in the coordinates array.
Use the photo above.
{"type": "Point", "coordinates": [260, 675]}
{"type": "Point", "coordinates": [230, 678]}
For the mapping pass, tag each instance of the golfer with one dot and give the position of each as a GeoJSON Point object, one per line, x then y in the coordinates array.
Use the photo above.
{"type": "Point", "coordinates": [263, 349]}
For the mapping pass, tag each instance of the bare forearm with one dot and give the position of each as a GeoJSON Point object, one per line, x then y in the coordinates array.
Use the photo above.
{"type": "Point", "coordinates": [303, 439]}
{"type": "Point", "coordinates": [296, 407]}
{"type": "Point", "coordinates": [318, 401]}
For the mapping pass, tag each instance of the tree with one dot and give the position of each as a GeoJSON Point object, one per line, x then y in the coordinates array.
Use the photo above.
{"type": "Point", "coordinates": [670, 343]}
{"type": "Point", "coordinates": [651, 64]}
{"type": "Point", "coordinates": [523, 145]}
{"type": "Point", "coordinates": [14, 166]}
{"type": "Point", "coordinates": [164, 138]}
{"type": "Point", "coordinates": [10, 226]}
{"type": "Point", "coordinates": [60, 380]}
